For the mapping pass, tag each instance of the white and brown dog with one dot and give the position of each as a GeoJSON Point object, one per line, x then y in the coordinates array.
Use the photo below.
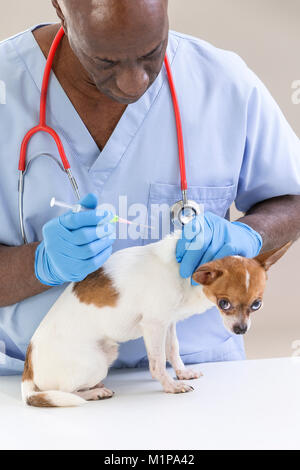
{"type": "Point", "coordinates": [138, 292]}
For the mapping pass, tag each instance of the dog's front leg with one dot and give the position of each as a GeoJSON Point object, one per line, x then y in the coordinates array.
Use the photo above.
{"type": "Point", "coordinates": [173, 356]}
{"type": "Point", "coordinates": [155, 333]}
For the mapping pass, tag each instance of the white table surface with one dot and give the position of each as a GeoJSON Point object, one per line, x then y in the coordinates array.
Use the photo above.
{"type": "Point", "coordinates": [236, 405]}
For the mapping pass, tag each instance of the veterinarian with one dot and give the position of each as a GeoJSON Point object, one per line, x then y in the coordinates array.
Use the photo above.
{"type": "Point", "coordinates": [110, 103]}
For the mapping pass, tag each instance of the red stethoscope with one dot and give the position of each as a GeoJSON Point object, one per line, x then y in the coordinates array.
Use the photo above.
{"type": "Point", "coordinates": [181, 212]}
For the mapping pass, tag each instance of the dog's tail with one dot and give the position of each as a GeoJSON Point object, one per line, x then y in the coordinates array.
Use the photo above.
{"type": "Point", "coordinates": [32, 396]}
{"type": "Point", "coordinates": [49, 399]}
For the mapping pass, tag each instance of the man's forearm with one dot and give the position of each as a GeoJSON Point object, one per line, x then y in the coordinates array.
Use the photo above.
{"type": "Point", "coordinates": [18, 280]}
{"type": "Point", "coordinates": [277, 220]}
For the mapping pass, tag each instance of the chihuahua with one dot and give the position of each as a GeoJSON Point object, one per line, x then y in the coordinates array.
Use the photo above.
{"type": "Point", "coordinates": [137, 292]}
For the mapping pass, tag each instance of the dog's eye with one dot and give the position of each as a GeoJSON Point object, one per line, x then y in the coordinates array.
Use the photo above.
{"type": "Point", "coordinates": [256, 305]}
{"type": "Point", "coordinates": [224, 304]}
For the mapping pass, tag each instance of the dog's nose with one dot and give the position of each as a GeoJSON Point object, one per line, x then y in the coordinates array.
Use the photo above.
{"type": "Point", "coordinates": [240, 329]}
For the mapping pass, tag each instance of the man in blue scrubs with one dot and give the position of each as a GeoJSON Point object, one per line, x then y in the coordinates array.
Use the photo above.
{"type": "Point", "coordinates": [110, 102]}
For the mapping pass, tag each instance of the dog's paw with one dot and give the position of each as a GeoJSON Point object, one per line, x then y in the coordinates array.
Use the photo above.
{"type": "Point", "coordinates": [96, 394]}
{"type": "Point", "coordinates": [188, 374]}
{"type": "Point", "coordinates": [104, 393]}
{"type": "Point", "coordinates": [178, 387]}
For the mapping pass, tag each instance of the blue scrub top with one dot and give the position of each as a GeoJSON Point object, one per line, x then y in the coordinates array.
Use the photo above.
{"type": "Point", "coordinates": [239, 148]}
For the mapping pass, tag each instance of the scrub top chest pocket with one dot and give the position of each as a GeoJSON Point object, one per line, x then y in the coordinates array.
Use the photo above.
{"type": "Point", "coordinates": [162, 196]}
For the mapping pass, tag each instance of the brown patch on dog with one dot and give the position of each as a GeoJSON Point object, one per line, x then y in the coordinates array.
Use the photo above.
{"type": "Point", "coordinates": [97, 289]}
{"type": "Point", "coordinates": [28, 368]}
{"type": "Point", "coordinates": [226, 277]}
{"type": "Point", "coordinates": [39, 401]}
{"type": "Point", "coordinates": [229, 283]}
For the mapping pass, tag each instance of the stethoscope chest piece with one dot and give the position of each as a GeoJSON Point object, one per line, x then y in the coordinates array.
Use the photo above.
{"type": "Point", "coordinates": [182, 212]}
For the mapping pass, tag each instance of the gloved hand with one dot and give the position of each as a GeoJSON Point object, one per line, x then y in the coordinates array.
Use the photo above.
{"type": "Point", "coordinates": [217, 239]}
{"type": "Point", "coordinates": [74, 245]}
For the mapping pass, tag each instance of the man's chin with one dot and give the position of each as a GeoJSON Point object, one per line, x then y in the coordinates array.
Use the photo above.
{"type": "Point", "coordinates": [121, 99]}
{"type": "Point", "coordinates": [126, 100]}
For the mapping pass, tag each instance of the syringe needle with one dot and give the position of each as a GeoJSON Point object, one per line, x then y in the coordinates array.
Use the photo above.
{"type": "Point", "coordinates": [79, 208]}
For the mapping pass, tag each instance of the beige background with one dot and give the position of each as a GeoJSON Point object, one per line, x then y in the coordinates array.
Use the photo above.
{"type": "Point", "coordinates": [266, 33]}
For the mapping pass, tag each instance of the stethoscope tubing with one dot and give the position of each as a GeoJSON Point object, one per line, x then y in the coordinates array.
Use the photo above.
{"type": "Point", "coordinates": [43, 127]}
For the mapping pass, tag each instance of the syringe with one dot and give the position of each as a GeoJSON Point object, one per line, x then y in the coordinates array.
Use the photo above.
{"type": "Point", "coordinates": [79, 208]}
{"type": "Point", "coordinates": [74, 208]}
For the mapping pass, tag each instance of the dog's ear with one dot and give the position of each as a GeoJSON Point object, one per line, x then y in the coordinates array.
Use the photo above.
{"type": "Point", "coordinates": [270, 257]}
{"type": "Point", "coordinates": [206, 274]}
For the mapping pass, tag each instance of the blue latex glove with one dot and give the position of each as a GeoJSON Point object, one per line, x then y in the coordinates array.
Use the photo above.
{"type": "Point", "coordinates": [75, 245]}
{"type": "Point", "coordinates": [217, 239]}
